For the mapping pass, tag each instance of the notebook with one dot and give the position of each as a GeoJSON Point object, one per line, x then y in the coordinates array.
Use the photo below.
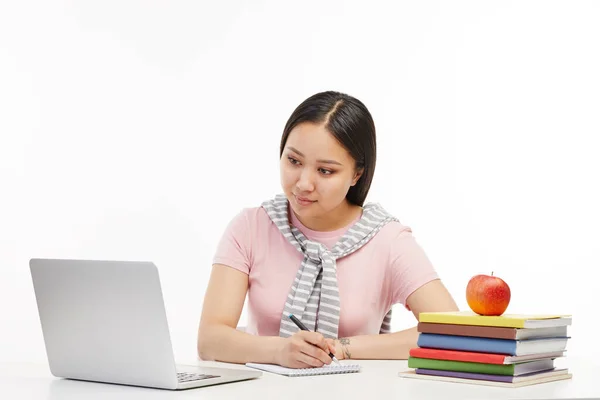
{"type": "Point", "coordinates": [325, 370]}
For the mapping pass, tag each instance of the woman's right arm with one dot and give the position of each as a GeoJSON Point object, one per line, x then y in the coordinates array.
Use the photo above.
{"type": "Point", "coordinates": [219, 340]}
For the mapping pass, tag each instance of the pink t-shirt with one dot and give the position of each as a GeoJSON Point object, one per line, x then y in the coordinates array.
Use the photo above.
{"type": "Point", "coordinates": [383, 272]}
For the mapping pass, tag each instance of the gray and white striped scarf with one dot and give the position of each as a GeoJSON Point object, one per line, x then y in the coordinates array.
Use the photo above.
{"type": "Point", "coordinates": [314, 296]}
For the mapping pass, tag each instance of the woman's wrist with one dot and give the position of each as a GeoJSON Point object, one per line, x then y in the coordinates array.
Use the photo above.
{"type": "Point", "coordinates": [275, 349]}
{"type": "Point", "coordinates": [342, 348]}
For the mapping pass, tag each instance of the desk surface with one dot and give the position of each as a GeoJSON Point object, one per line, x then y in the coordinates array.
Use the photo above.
{"type": "Point", "coordinates": [378, 379]}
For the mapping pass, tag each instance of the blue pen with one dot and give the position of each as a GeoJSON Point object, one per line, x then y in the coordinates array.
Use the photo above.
{"type": "Point", "coordinates": [302, 327]}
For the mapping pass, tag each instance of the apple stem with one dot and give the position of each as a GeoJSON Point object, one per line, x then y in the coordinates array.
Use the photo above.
{"type": "Point", "coordinates": [492, 273]}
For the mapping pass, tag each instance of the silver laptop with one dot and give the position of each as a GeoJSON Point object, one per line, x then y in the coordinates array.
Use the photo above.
{"type": "Point", "coordinates": [105, 321]}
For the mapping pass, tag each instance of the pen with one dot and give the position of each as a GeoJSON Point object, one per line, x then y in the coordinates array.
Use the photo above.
{"type": "Point", "coordinates": [300, 325]}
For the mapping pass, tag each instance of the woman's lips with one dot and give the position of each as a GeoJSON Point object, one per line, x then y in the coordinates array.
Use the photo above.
{"type": "Point", "coordinates": [303, 201]}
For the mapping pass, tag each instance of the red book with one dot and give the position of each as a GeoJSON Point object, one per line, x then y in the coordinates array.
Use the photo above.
{"type": "Point", "coordinates": [486, 358]}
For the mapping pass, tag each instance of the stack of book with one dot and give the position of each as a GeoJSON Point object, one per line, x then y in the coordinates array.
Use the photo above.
{"type": "Point", "coordinates": [508, 350]}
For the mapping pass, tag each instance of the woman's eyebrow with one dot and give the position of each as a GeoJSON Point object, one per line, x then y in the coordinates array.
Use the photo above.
{"type": "Point", "coordinates": [320, 161]}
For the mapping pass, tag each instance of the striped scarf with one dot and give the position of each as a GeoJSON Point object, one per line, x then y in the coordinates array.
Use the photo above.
{"type": "Point", "coordinates": [314, 296]}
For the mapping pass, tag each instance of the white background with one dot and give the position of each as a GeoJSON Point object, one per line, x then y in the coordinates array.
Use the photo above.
{"type": "Point", "coordinates": [136, 130]}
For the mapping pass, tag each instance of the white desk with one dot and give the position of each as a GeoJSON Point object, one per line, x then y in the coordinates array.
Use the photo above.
{"type": "Point", "coordinates": [378, 380]}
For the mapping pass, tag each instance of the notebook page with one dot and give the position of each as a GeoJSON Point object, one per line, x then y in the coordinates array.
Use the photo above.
{"type": "Point", "coordinates": [325, 370]}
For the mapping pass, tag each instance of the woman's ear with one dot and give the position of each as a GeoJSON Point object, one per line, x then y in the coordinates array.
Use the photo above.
{"type": "Point", "coordinates": [357, 175]}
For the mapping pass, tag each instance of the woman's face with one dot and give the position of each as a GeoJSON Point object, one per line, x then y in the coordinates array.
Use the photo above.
{"type": "Point", "coordinates": [316, 172]}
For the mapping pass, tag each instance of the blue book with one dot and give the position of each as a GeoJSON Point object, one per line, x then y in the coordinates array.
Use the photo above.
{"type": "Point", "coordinates": [490, 345]}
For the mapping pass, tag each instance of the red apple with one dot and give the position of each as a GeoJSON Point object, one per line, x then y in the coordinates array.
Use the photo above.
{"type": "Point", "coordinates": [488, 295]}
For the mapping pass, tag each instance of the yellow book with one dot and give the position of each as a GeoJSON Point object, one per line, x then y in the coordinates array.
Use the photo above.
{"type": "Point", "coordinates": [504, 320]}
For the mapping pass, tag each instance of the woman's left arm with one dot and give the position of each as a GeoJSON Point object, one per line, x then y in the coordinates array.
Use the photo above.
{"type": "Point", "coordinates": [432, 296]}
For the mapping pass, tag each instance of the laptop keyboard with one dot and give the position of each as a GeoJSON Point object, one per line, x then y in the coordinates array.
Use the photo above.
{"type": "Point", "coordinates": [191, 376]}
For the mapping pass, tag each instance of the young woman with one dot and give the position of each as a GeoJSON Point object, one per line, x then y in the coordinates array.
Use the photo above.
{"type": "Point", "coordinates": [320, 253]}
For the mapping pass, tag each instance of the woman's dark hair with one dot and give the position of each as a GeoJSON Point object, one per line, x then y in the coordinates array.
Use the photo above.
{"type": "Point", "coordinates": [349, 121]}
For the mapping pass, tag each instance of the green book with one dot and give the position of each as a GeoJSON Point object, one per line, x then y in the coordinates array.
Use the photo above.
{"type": "Point", "coordinates": [482, 368]}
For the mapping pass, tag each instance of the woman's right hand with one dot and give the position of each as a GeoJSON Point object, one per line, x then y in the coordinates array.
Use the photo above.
{"type": "Point", "coordinates": [305, 350]}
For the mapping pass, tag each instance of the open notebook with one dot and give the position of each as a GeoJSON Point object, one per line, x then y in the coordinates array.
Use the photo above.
{"type": "Point", "coordinates": [325, 370]}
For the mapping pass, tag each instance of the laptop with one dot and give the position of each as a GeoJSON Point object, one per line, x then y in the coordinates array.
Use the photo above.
{"type": "Point", "coordinates": [105, 321]}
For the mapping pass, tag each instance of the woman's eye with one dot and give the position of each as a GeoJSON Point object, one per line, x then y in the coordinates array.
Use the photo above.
{"type": "Point", "coordinates": [325, 171]}
{"type": "Point", "coordinates": [293, 161]}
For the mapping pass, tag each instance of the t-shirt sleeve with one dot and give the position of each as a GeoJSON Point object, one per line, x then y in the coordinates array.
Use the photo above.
{"type": "Point", "coordinates": [410, 267]}
{"type": "Point", "coordinates": [234, 247]}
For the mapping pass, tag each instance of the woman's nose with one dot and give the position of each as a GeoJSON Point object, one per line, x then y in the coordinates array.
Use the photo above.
{"type": "Point", "coordinates": [306, 181]}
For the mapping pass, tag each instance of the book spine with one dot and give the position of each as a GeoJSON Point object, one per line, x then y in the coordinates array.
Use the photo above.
{"type": "Point", "coordinates": [460, 366]}
{"type": "Point", "coordinates": [466, 343]}
{"type": "Point", "coordinates": [453, 355]}
{"type": "Point", "coordinates": [466, 375]}
{"type": "Point", "coordinates": [468, 330]}
{"type": "Point", "coordinates": [478, 320]}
